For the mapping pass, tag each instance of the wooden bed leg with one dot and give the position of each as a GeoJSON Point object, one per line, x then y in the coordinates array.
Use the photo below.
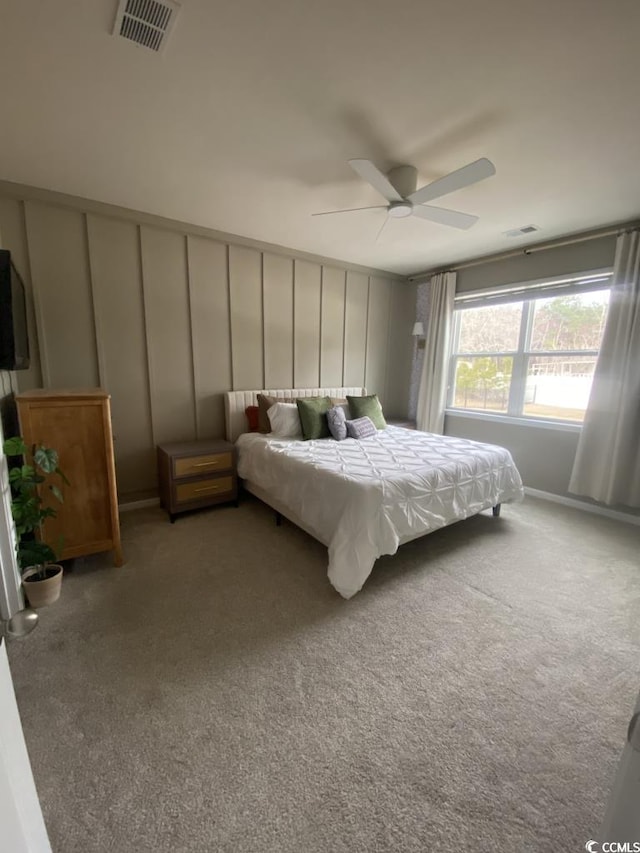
{"type": "Point", "coordinates": [496, 510]}
{"type": "Point", "coordinates": [278, 519]}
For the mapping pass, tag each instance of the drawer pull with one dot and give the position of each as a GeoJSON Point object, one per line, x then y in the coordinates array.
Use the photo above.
{"type": "Point", "coordinates": [187, 465]}
{"type": "Point", "coordinates": [207, 489]}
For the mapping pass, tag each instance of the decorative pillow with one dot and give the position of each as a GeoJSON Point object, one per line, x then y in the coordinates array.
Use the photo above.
{"type": "Point", "coordinates": [337, 422]}
{"type": "Point", "coordinates": [264, 404]}
{"type": "Point", "coordinates": [285, 420]}
{"type": "Point", "coordinates": [367, 407]}
{"type": "Point", "coordinates": [252, 418]}
{"type": "Point", "coordinates": [361, 428]}
{"type": "Point", "coordinates": [313, 416]}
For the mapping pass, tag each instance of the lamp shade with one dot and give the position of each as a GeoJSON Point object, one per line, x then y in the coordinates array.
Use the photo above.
{"type": "Point", "coordinates": [418, 329]}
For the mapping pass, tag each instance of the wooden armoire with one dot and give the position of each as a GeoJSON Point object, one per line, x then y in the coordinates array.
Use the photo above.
{"type": "Point", "coordinates": [77, 424]}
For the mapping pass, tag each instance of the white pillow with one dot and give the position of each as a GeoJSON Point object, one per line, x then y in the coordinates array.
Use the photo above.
{"type": "Point", "coordinates": [284, 420]}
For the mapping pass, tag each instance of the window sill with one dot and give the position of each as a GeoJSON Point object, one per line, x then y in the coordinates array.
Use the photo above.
{"type": "Point", "coordinates": [537, 423]}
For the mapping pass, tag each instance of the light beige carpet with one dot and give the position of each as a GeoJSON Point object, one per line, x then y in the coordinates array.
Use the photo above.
{"type": "Point", "coordinates": [215, 694]}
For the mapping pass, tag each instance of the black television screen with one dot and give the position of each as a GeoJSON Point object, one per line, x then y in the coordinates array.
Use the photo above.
{"type": "Point", "coordinates": [14, 341]}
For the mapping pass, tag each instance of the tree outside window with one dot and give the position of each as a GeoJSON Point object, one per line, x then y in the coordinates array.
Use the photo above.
{"type": "Point", "coordinates": [530, 358]}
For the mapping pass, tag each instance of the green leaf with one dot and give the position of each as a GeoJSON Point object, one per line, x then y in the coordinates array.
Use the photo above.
{"type": "Point", "coordinates": [34, 554]}
{"type": "Point", "coordinates": [46, 459]}
{"type": "Point", "coordinates": [25, 489]}
{"type": "Point", "coordinates": [15, 474]}
{"type": "Point", "coordinates": [56, 491]}
{"type": "Point", "coordinates": [14, 446]}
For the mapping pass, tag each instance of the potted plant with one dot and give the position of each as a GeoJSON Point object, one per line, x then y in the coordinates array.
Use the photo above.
{"type": "Point", "coordinates": [41, 576]}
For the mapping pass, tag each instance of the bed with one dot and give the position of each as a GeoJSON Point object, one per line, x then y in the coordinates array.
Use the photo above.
{"type": "Point", "coordinates": [364, 498]}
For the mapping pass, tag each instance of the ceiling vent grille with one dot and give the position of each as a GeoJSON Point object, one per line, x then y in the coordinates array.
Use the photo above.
{"type": "Point", "coordinates": [148, 23]}
{"type": "Point", "coordinates": [520, 232]}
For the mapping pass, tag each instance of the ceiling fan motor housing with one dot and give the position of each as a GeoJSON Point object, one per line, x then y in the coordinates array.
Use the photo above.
{"type": "Point", "coordinates": [400, 209]}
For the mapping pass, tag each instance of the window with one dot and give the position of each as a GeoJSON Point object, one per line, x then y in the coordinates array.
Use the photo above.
{"type": "Point", "coordinates": [530, 357]}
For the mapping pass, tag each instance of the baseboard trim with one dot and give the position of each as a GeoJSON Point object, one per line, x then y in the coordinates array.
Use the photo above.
{"type": "Point", "coordinates": [127, 507]}
{"type": "Point", "coordinates": [594, 508]}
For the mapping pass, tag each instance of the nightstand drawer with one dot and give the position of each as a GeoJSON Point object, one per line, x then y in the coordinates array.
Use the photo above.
{"type": "Point", "coordinates": [189, 466]}
{"type": "Point", "coordinates": [199, 489]}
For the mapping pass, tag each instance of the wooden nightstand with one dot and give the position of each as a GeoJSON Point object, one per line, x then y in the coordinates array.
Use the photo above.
{"type": "Point", "coordinates": [196, 474]}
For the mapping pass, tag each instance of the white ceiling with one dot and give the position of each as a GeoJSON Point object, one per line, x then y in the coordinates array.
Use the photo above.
{"type": "Point", "coordinates": [246, 123]}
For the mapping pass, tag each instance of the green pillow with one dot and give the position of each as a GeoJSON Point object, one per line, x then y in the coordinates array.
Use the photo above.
{"type": "Point", "coordinates": [313, 416]}
{"type": "Point", "coordinates": [367, 407]}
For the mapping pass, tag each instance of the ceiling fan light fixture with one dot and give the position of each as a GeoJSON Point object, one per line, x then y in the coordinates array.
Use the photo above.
{"type": "Point", "coordinates": [400, 210]}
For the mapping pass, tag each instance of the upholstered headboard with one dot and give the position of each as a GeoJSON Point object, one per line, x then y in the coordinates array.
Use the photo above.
{"type": "Point", "coordinates": [235, 403]}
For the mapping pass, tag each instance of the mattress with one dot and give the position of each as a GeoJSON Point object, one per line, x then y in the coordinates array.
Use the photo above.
{"type": "Point", "coordinates": [365, 498]}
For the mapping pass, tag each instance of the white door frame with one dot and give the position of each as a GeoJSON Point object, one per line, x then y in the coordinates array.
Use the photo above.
{"type": "Point", "coordinates": [11, 596]}
{"type": "Point", "coordinates": [22, 827]}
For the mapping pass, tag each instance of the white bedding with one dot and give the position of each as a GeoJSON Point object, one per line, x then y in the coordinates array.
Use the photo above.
{"type": "Point", "coordinates": [364, 498]}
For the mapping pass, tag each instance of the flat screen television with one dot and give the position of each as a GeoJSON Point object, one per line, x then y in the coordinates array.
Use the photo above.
{"type": "Point", "coordinates": [14, 340]}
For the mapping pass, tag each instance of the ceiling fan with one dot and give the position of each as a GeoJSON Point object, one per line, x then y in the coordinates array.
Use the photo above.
{"type": "Point", "coordinates": [399, 190]}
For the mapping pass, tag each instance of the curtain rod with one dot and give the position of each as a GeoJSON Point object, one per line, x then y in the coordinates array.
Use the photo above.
{"type": "Point", "coordinates": [530, 250]}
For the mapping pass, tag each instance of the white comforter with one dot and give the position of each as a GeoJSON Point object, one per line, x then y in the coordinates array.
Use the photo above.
{"type": "Point", "coordinates": [364, 498]}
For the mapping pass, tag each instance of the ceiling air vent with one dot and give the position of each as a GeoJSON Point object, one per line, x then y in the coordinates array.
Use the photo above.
{"type": "Point", "coordinates": [521, 232]}
{"type": "Point", "coordinates": [146, 22]}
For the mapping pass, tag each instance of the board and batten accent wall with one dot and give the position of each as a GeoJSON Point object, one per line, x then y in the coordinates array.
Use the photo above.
{"type": "Point", "coordinates": [167, 319]}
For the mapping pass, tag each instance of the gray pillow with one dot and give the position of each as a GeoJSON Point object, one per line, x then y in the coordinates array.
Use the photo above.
{"type": "Point", "coordinates": [361, 428]}
{"type": "Point", "coordinates": [337, 421]}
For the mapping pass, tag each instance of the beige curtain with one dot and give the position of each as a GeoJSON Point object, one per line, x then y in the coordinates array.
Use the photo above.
{"type": "Point", "coordinates": [607, 464]}
{"type": "Point", "coordinates": [432, 395]}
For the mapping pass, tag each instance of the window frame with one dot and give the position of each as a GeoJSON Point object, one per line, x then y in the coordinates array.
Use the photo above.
{"type": "Point", "coordinates": [526, 293]}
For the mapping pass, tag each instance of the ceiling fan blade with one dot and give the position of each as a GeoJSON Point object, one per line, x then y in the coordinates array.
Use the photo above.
{"type": "Point", "coordinates": [378, 180]}
{"type": "Point", "coordinates": [464, 177]}
{"type": "Point", "coordinates": [445, 217]}
{"type": "Point", "coordinates": [350, 210]}
{"type": "Point", "coordinates": [384, 225]}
